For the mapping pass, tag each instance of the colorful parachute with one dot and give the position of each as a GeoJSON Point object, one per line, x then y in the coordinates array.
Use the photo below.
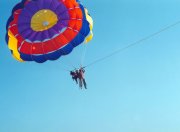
{"type": "Point", "coordinates": [41, 30]}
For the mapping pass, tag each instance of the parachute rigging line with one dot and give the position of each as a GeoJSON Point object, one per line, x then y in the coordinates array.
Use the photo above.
{"type": "Point", "coordinates": [133, 44]}
{"type": "Point", "coordinates": [83, 55]}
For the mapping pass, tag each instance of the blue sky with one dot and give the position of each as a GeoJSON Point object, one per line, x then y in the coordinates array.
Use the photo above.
{"type": "Point", "coordinates": [136, 90]}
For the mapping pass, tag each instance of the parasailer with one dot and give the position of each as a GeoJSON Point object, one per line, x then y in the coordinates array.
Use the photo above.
{"type": "Point", "coordinates": [78, 76]}
{"type": "Point", "coordinates": [82, 78]}
{"type": "Point", "coordinates": [74, 75]}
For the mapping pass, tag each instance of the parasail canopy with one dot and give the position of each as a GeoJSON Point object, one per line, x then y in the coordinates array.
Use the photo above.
{"type": "Point", "coordinates": [41, 30]}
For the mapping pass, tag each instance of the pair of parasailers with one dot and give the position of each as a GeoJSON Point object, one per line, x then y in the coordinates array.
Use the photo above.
{"type": "Point", "coordinates": [78, 76]}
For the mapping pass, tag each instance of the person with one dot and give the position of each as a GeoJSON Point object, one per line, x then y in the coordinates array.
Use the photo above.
{"type": "Point", "coordinates": [74, 76]}
{"type": "Point", "coordinates": [78, 76]}
{"type": "Point", "coordinates": [81, 77]}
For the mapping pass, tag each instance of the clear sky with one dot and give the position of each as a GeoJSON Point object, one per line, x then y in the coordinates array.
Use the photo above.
{"type": "Point", "coordinates": [137, 90]}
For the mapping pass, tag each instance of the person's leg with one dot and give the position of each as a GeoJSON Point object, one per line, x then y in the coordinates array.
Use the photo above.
{"type": "Point", "coordinates": [84, 82]}
{"type": "Point", "coordinates": [76, 80]}
{"type": "Point", "coordinates": [80, 83]}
